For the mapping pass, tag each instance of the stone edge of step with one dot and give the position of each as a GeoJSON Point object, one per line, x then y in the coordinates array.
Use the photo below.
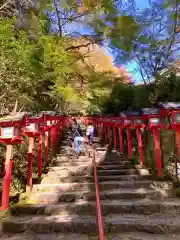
{"type": "Point", "coordinates": [112, 223]}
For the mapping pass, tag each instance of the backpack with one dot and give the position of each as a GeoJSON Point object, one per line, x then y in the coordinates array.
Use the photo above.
{"type": "Point", "coordinates": [76, 130]}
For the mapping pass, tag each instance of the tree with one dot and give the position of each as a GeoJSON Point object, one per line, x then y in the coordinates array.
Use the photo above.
{"type": "Point", "coordinates": [158, 41]}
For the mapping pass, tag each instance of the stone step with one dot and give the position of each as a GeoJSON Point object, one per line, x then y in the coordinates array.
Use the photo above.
{"type": "Point", "coordinates": [134, 184]}
{"type": "Point", "coordinates": [81, 207]}
{"type": "Point", "coordinates": [115, 157]}
{"type": "Point", "coordinates": [74, 163]}
{"type": "Point", "coordinates": [84, 170]}
{"type": "Point", "coordinates": [114, 166]}
{"type": "Point", "coordinates": [47, 236]}
{"type": "Point", "coordinates": [87, 166]}
{"type": "Point", "coordinates": [167, 223]}
{"type": "Point", "coordinates": [141, 236]}
{"type": "Point", "coordinates": [70, 179]}
{"type": "Point", "coordinates": [75, 236]}
{"type": "Point", "coordinates": [63, 159]}
{"type": "Point", "coordinates": [109, 162]}
{"type": "Point", "coordinates": [113, 172]}
{"type": "Point", "coordinates": [72, 196]}
{"type": "Point", "coordinates": [81, 160]}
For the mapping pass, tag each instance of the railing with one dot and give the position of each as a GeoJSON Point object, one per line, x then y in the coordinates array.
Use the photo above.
{"type": "Point", "coordinates": [98, 205]}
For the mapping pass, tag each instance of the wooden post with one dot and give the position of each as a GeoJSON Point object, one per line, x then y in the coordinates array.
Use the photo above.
{"type": "Point", "coordinates": [40, 154]}
{"type": "Point", "coordinates": [29, 184]}
{"type": "Point", "coordinates": [7, 177]}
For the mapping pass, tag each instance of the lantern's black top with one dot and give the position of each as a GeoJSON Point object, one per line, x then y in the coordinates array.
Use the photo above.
{"type": "Point", "coordinates": [13, 118]}
{"type": "Point", "coordinates": [49, 113]}
{"type": "Point", "coordinates": [169, 105]}
{"type": "Point", "coordinates": [59, 114]}
{"type": "Point", "coordinates": [130, 113]}
{"type": "Point", "coordinates": [150, 111]}
{"type": "Point", "coordinates": [32, 115]}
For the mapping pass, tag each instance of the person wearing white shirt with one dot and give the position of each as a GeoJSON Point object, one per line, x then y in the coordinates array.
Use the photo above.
{"type": "Point", "coordinates": [90, 133]}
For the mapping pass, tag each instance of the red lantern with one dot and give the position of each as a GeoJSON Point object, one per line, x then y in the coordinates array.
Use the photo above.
{"type": "Point", "coordinates": [154, 123]}
{"type": "Point", "coordinates": [10, 128]}
{"type": "Point", "coordinates": [10, 134]}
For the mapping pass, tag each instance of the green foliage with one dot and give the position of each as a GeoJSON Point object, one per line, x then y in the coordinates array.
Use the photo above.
{"type": "Point", "coordinates": [154, 37]}
{"type": "Point", "coordinates": [125, 97]}
{"type": "Point", "coordinates": [135, 160]}
{"type": "Point", "coordinates": [120, 99]}
{"type": "Point", "coordinates": [32, 73]}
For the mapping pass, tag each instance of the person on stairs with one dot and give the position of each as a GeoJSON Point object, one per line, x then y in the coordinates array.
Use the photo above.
{"type": "Point", "coordinates": [77, 136]}
{"type": "Point", "coordinates": [90, 133]}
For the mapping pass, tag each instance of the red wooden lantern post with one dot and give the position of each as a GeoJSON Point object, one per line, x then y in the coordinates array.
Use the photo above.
{"type": "Point", "coordinates": [10, 134]}
{"type": "Point", "coordinates": [105, 124]}
{"type": "Point", "coordinates": [61, 123]}
{"type": "Point", "coordinates": [105, 130]}
{"type": "Point", "coordinates": [48, 125]}
{"type": "Point", "coordinates": [114, 127]}
{"type": "Point", "coordinates": [101, 128]}
{"type": "Point", "coordinates": [121, 147]}
{"type": "Point", "coordinates": [109, 132]}
{"type": "Point", "coordinates": [96, 124]}
{"type": "Point", "coordinates": [154, 124]}
{"type": "Point", "coordinates": [139, 124]}
{"type": "Point", "coordinates": [172, 110]}
{"type": "Point", "coordinates": [53, 132]}
{"type": "Point", "coordinates": [108, 129]}
{"type": "Point", "coordinates": [114, 135]}
{"type": "Point", "coordinates": [57, 123]}
{"type": "Point", "coordinates": [175, 125]}
{"type": "Point", "coordinates": [42, 129]}
{"type": "Point", "coordinates": [32, 130]}
{"type": "Point", "coordinates": [99, 125]}
{"type": "Point", "coordinates": [126, 124]}
{"type": "Point", "coordinates": [128, 134]}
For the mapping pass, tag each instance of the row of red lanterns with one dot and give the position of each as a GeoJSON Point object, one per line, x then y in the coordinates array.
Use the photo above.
{"type": "Point", "coordinates": [153, 119]}
{"type": "Point", "coordinates": [47, 124]}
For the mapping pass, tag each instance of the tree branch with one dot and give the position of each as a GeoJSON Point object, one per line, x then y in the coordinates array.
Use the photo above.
{"type": "Point", "coordinates": [83, 45]}
{"type": "Point", "coordinates": [58, 18]}
{"type": "Point", "coordinates": [174, 30]}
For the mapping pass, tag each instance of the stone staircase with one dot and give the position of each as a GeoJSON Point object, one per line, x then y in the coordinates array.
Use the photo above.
{"type": "Point", "coordinates": [63, 206]}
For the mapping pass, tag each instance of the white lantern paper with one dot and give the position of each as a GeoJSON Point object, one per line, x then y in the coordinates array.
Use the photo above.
{"type": "Point", "coordinates": [127, 121]}
{"type": "Point", "coordinates": [139, 121]}
{"type": "Point", "coordinates": [10, 132]}
{"type": "Point", "coordinates": [7, 132]}
{"type": "Point", "coordinates": [155, 120]}
{"type": "Point", "coordinates": [32, 127]}
{"type": "Point", "coordinates": [177, 117]}
{"type": "Point", "coordinates": [48, 123]}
